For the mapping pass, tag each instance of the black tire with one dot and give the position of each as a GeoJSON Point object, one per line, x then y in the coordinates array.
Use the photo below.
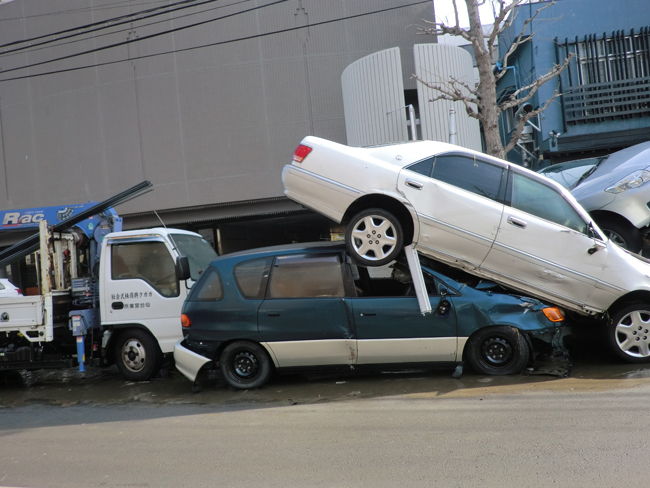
{"type": "Point", "coordinates": [245, 365]}
{"type": "Point", "coordinates": [497, 351]}
{"type": "Point", "coordinates": [374, 237]}
{"type": "Point", "coordinates": [628, 333]}
{"type": "Point", "coordinates": [622, 233]}
{"type": "Point", "coordinates": [137, 355]}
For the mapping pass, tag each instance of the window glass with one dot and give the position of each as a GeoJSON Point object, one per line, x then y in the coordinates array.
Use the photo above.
{"type": "Point", "coordinates": [305, 276]}
{"type": "Point", "coordinates": [423, 167]}
{"type": "Point", "coordinates": [2, 287]}
{"type": "Point", "coordinates": [147, 261]}
{"type": "Point", "coordinates": [199, 252]}
{"type": "Point", "coordinates": [251, 277]}
{"type": "Point", "coordinates": [469, 174]}
{"type": "Point", "coordinates": [209, 287]}
{"type": "Point", "coordinates": [545, 202]}
{"type": "Point", "coordinates": [392, 280]}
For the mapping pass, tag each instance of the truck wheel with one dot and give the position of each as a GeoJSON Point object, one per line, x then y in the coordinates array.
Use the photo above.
{"type": "Point", "coordinates": [629, 333]}
{"type": "Point", "coordinates": [137, 355]}
{"type": "Point", "coordinates": [245, 365]}
{"type": "Point", "coordinates": [622, 233]}
{"type": "Point", "coordinates": [374, 237]}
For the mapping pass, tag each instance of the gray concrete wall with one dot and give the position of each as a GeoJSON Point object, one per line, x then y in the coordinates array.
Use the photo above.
{"type": "Point", "coordinates": [208, 125]}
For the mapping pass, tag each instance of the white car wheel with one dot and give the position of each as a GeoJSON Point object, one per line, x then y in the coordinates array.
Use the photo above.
{"type": "Point", "coordinates": [629, 333]}
{"type": "Point", "coordinates": [374, 237]}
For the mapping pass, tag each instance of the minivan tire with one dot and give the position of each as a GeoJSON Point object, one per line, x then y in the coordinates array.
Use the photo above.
{"type": "Point", "coordinates": [245, 365]}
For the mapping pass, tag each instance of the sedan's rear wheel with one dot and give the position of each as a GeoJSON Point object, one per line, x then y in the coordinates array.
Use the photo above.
{"type": "Point", "coordinates": [245, 365]}
{"type": "Point", "coordinates": [374, 237]}
{"type": "Point", "coordinates": [498, 350]}
{"type": "Point", "coordinates": [629, 333]}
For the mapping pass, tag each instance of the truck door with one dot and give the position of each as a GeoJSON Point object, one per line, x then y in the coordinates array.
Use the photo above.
{"type": "Point", "coordinates": [139, 286]}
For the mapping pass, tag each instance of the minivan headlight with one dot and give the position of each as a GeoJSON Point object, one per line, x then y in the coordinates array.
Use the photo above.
{"type": "Point", "coordinates": [634, 180]}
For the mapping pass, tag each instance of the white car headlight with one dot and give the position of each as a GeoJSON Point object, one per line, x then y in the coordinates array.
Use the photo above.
{"type": "Point", "coordinates": [634, 180]}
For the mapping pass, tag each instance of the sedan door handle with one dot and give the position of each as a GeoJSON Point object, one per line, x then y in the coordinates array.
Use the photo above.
{"type": "Point", "coordinates": [367, 314]}
{"type": "Point", "coordinates": [273, 314]}
{"type": "Point", "coordinates": [517, 223]}
{"type": "Point", "coordinates": [414, 184]}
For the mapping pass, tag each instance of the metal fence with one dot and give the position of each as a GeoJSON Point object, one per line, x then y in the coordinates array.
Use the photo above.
{"type": "Point", "coordinates": [607, 78]}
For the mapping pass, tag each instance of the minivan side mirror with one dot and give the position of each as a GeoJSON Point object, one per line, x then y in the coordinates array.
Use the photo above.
{"type": "Point", "coordinates": [182, 268]}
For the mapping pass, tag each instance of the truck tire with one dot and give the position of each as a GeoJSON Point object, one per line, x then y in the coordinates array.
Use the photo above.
{"type": "Point", "coordinates": [137, 355]}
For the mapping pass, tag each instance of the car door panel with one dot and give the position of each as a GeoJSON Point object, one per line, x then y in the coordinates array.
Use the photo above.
{"type": "Point", "coordinates": [538, 248]}
{"type": "Point", "coordinates": [392, 330]}
{"type": "Point", "coordinates": [459, 217]}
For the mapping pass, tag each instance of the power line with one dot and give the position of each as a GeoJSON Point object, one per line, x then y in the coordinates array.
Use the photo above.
{"type": "Point", "coordinates": [34, 48]}
{"type": "Point", "coordinates": [142, 38]}
{"type": "Point", "coordinates": [84, 9]}
{"type": "Point", "coordinates": [256, 36]}
{"type": "Point", "coordinates": [102, 23]}
{"type": "Point", "coordinates": [104, 27]}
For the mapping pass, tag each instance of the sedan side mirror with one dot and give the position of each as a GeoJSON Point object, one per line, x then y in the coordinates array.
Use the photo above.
{"type": "Point", "coordinates": [182, 268]}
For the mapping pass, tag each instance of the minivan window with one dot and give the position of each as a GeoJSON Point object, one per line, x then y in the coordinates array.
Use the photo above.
{"type": "Point", "coordinates": [251, 276]}
{"type": "Point", "coordinates": [544, 202]}
{"type": "Point", "coordinates": [209, 287]}
{"type": "Point", "coordinates": [469, 174]}
{"type": "Point", "coordinates": [147, 261]}
{"type": "Point", "coordinates": [306, 276]}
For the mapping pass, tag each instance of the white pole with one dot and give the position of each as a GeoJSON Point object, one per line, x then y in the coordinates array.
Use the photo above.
{"type": "Point", "coordinates": [452, 126]}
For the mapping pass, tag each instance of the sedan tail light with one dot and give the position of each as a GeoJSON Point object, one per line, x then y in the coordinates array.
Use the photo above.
{"type": "Point", "coordinates": [185, 321]}
{"type": "Point", "coordinates": [301, 153]}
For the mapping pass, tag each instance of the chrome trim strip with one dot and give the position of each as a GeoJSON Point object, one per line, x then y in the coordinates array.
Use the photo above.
{"type": "Point", "coordinates": [443, 224]}
{"type": "Point", "coordinates": [564, 268]}
{"type": "Point", "coordinates": [326, 180]}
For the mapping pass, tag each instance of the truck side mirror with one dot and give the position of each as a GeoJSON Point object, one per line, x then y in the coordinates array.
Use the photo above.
{"type": "Point", "coordinates": [182, 268]}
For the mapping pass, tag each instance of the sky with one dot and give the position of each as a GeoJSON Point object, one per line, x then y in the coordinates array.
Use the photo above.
{"type": "Point", "coordinates": [445, 12]}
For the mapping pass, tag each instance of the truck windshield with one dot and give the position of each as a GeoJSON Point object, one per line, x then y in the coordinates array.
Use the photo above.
{"type": "Point", "coordinates": [199, 252]}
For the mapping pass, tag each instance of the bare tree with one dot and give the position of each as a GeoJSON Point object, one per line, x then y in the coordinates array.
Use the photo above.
{"type": "Point", "coordinates": [480, 101]}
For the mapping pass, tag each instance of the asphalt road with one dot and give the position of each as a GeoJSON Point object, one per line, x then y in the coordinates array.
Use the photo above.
{"type": "Point", "coordinates": [419, 428]}
{"type": "Point", "coordinates": [549, 438]}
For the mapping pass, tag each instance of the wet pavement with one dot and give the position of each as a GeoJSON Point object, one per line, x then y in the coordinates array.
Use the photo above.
{"type": "Point", "coordinates": [592, 368]}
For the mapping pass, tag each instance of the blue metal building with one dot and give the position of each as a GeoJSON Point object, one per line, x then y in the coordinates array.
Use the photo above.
{"type": "Point", "coordinates": [605, 102]}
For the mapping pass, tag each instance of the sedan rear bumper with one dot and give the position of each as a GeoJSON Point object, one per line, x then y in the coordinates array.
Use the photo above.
{"type": "Point", "coordinates": [188, 362]}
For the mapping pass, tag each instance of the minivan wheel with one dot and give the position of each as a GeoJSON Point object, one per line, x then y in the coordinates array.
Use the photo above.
{"type": "Point", "coordinates": [621, 233]}
{"type": "Point", "coordinates": [245, 365]}
{"type": "Point", "coordinates": [629, 333]}
{"type": "Point", "coordinates": [374, 237]}
{"type": "Point", "coordinates": [498, 351]}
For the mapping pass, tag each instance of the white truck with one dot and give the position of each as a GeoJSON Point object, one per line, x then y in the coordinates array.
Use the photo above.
{"type": "Point", "coordinates": [116, 299]}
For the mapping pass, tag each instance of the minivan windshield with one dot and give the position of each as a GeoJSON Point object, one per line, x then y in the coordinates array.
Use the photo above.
{"type": "Point", "coordinates": [199, 252]}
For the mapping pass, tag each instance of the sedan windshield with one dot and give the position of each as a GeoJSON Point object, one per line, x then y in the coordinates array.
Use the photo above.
{"type": "Point", "coordinates": [199, 252]}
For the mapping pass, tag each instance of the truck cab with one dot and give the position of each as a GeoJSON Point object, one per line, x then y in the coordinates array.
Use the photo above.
{"type": "Point", "coordinates": [142, 292]}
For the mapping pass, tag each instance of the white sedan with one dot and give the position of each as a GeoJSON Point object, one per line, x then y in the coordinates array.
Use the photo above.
{"type": "Point", "coordinates": [492, 218]}
{"type": "Point", "coordinates": [7, 289]}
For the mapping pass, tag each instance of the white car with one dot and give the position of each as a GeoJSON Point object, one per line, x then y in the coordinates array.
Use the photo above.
{"type": "Point", "coordinates": [614, 190]}
{"type": "Point", "coordinates": [7, 289]}
{"type": "Point", "coordinates": [492, 218]}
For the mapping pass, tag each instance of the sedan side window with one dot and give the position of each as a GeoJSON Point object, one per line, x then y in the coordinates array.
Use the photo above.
{"type": "Point", "coordinates": [544, 202]}
{"type": "Point", "coordinates": [306, 276]}
{"type": "Point", "coordinates": [470, 174]}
